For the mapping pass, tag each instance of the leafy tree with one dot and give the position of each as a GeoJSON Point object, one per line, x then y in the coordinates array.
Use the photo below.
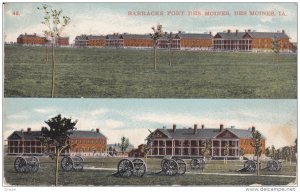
{"type": "Point", "coordinates": [147, 146]}
{"type": "Point", "coordinates": [155, 36]}
{"type": "Point", "coordinates": [207, 150]}
{"type": "Point", "coordinates": [272, 152]}
{"type": "Point", "coordinates": [257, 144]}
{"type": "Point", "coordinates": [55, 24]}
{"type": "Point", "coordinates": [226, 152]}
{"type": "Point", "coordinates": [268, 152]}
{"type": "Point", "coordinates": [276, 47]}
{"type": "Point", "coordinates": [57, 136]}
{"type": "Point", "coordinates": [124, 144]}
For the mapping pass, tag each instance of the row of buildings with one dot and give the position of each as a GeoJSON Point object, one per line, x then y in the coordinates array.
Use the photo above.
{"type": "Point", "coordinates": [183, 142]}
{"type": "Point", "coordinates": [250, 41]}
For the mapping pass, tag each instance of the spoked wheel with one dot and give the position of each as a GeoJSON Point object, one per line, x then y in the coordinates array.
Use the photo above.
{"type": "Point", "coordinates": [20, 165]}
{"type": "Point", "coordinates": [202, 164]}
{"type": "Point", "coordinates": [125, 168]}
{"type": "Point", "coordinates": [33, 164]}
{"type": "Point", "coordinates": [181, 166]}
{"type": "Point", "coordinates": [250, 165]}
{"type": "Point", "coordinates": [67, 163]}
{"type": "Point", "coordinates": [170, 167]}
{"type": "Point", "coordinates": [78, 163]}
{"type": "Point", "coordinates": [139, 167]}
{"type": "Point", "coordinates": [272, 165]}
{"type": "Point", "coordinates": [195, 164]}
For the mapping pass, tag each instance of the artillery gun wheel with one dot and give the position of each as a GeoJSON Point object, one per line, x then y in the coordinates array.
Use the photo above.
{"type": "Point", "coordinates": [20, 165]}
{"type": "Point", "coordinates": [195, 163]}
{"type": "Point", "coordinates": [181, 166]}
{"type": "Point", "coordinates": [202, 164]}
{"type": "Point", "coordinates": [170, 167]}
{"type": "Point", "coordinates": [250, 165]}
{"type": "Point", "coordinates": [139, 167]}
{"type": "Point", "coordinates": [272, 165]}
{"type": "Point", "coordinates": [33, 164]}
{"type": "Point", "coordinates": [78, 163]}
{"type": "Point", "coordinates": [67, 163]}
{"type": "Point", "coordinates": [125, 168]}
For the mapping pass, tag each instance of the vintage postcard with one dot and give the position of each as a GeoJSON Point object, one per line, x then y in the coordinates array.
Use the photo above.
{"type": "Point", "coordinates": [150, 94]}
{"type": "Point", "coordinates": [150, 50]}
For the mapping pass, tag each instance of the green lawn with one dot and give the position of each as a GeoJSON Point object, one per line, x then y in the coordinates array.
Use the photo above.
{"type": "Point", "coordinates": [45, 176]}
{"type": "Point", "coordinates": [121, 73]}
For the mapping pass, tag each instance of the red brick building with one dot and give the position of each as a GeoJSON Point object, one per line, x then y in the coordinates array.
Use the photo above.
{"type": "Point", "coordinates": [62, 41]}
{"type": "Point", "coordinates": [137, 41]}
{"type": "Point", "coordinates": [90, 41]}
{"type": "Point", "coordinates": [250, 41]}
{"type": "Point", "coordinates": [114, 41]}
{"type": "Point", "coordinates": [190, 142]}
{"type": "Point", "coordinates": [27, 142]}
{"type": "Point", "coordinates": [31, 39]}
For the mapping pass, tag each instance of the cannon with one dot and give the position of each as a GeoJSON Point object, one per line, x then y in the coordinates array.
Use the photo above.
{"type": "Point", "coordinates": [198, 163]}
{"type": "Point", "coordinates": [274, 165]}
{"type": "Point", "coordinates": [251, 166]}
{"type": "Point", "coordinates": [131, 167]}
{"type": "Point", "coordinates": [137, 167]}
{"type": "Point", "coordinates": [173, 166]}
{"type": "Point", "coordinates": [26, 164]}
{"type": "Point", "coordinates": [69, 163]}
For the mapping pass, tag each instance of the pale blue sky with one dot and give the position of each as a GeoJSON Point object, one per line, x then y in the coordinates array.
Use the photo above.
{"type": "Point", "coordinates": [276, 119]}
{"type": "Point", "coordinates": [103, 18]}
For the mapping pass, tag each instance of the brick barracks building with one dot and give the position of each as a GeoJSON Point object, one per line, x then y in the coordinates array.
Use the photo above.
{"type": "Point", "coordinates": [34, 39]}
{"type": "Point", "coordinates": [189, 142]}
{"type": "Point", "coordinates": [250, 41]}
{"type": "Point", "coordinates": [27, 143]}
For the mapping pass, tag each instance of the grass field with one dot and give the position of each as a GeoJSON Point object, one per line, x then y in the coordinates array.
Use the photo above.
{"type": "Point", "coordinates": [121, 73]}
{"type": "Point", "coordinates": [211, 176]}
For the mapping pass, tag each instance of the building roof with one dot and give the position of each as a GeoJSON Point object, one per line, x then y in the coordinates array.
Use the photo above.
{"type": "Point", "coordinates": [113, 36]}
{"type": "Point", "coordinates": [280, 35]}
{"type": "Point", "coordinates": [135, 36]}
{"type": "Point", "coordinates": [32, 135]}
{"type": "Point", "coordinates": [30, 35]}
{"type": "Point", "coordinates": [205, 133]}
{"type": "Point", "coordinates": [89, 37]}
{"type": "Point", "coordinates": [195, 35]}
{"type": "Point", "coordinates": [230, 35]}
{"type": "Point", "coordinates": [86, 134]}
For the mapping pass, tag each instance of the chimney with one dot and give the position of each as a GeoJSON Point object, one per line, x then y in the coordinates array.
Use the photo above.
{"type": "Point", "coordinates": [195, 129]}
{"type": "Point", "coordinates": [249, 30]}
{"type": "Point", "coordinates": [210, 33]}
{"type": "Point", "coordinates": [253, 129]}
{"type": "Point", "coordinates": [179, 32]}
{"type": "Point", "coordinates": [97, 130]}
{"type": "Point", "coordinates": [237, 31]}
{"type": "Point", "coordinates": [202, 126]}
{"type": "Point", "coordinates": [25, 33]}
{"type": "Point", "coordinates": [283, 31]}
{"type": "Point", "coordinates": [228, 30]}
{"type": "Point", "coordinates": [174, 128]}
{"type": "Point", "coordinates": [28, 130]}
{"type": "Point", "coordinates": [221, 127]}
{"type": "Point", "coordinates": [34, 34]}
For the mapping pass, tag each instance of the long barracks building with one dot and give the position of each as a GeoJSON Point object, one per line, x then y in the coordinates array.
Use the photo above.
{"type": "Point", "coordinates": [247, 41]}
{"type": "Point", "coordinates": [28, 143]}
{"type": "Point", "coordinates": [190, 142]}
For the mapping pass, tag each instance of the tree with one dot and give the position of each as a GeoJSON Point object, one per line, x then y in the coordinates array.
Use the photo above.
{"type": "Point", "coordinates": [268, 152]}
{"type": "Point", "coordinates": [124, 144]}
{"type": "Point", "coordinates": [170, 41]}
{"type": "Point", "coordinates": [207, 150]}
{"type": "Point", "coordinates": [55, 24]}
{"type": "Point", "coordinates": [256, 144]}
{"type": "Point", "coordinates": [276, 47]}
{"type": "Point", "coordinates": [272, 152]}
{"type": "Point", "coordinates": [157, 34]}
{"type": "Point", "coordinates": [148, 145]}
{"type": "Point", "coordinates": [57, 136]}
{"type": "Point", "coordinates": [226, 152]}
